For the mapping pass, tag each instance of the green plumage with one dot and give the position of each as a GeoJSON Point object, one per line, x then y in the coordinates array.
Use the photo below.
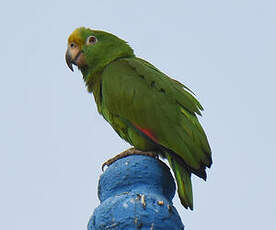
{"type": "Point", "coordinates": [148, 109]}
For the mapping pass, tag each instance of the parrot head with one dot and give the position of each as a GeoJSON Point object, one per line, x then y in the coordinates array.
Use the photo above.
{"type": "Point", "coordinates": [91, 50]}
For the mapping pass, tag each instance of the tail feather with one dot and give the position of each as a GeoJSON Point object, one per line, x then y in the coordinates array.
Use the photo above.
{"type": "Point", "coordinates": [183, 178]}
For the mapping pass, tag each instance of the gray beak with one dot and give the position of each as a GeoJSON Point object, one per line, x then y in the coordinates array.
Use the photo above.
{"type": "Point", "coordinates": [69, 60]}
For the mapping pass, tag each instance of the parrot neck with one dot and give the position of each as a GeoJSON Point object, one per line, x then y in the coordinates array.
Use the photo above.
{"type": "Point", "coordinates": [97, 63]}
{"type": "Point", "coordinates": [91, 78]}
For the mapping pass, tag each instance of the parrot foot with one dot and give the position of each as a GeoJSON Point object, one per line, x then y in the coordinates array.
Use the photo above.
{"type": "Point", "coordinates": [128, 152]}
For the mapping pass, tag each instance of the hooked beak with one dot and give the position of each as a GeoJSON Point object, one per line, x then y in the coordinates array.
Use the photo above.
{"type": "Point", "coordinates": [69, 60]}
{"type": "Point", "coordinates": [75, 56]}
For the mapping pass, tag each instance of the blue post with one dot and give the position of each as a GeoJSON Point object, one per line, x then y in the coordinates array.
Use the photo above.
{"type": "Point", "coordinates": [136, 192]}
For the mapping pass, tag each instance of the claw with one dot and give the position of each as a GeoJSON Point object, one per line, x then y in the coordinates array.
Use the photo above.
{"type": "Point", "coordinates": [103, 165]}
{"type": "Point", "coordinates": [128, 152]}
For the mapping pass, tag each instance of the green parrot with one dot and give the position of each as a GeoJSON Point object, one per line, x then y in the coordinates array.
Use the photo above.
{"type": "Point", "coordinates": [148, 109]}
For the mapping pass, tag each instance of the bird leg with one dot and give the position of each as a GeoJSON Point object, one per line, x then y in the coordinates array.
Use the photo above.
{"type": "Point", "coordinates": [128, 152]}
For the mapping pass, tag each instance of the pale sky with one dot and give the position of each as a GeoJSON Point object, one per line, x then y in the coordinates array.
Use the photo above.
{"type": "Point", "coordinates": [53, 141]}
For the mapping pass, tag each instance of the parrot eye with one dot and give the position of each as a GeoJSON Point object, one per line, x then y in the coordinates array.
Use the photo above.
{"type": "Point", "coordinates": [72, 45]}
{"type": "Point", "coordinates": [91, 40]}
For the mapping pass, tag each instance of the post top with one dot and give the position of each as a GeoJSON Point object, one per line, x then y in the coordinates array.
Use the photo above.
{"type": "Point", "coordinates": [137, 174]}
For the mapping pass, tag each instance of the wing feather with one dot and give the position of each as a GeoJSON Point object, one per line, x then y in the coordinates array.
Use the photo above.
{"type": "Point", "coordinates": [138, 92]}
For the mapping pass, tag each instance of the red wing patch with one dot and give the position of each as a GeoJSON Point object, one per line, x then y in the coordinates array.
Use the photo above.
{"type": "Point", "coordinates": [148, 133]}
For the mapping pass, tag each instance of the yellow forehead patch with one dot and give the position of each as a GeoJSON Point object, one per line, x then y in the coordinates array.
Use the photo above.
{"type": "Point", "coordinates": [75, 37]}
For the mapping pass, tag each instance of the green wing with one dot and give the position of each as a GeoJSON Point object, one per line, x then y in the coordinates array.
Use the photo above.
{"type": "Point", "coordinates": [140, 95]}
{"type": "Point", "coordinates": [138, 92]}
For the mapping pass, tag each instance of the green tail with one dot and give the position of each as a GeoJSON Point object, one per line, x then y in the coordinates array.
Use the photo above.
{"type": "Point", "coordinates": [183, 179]}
